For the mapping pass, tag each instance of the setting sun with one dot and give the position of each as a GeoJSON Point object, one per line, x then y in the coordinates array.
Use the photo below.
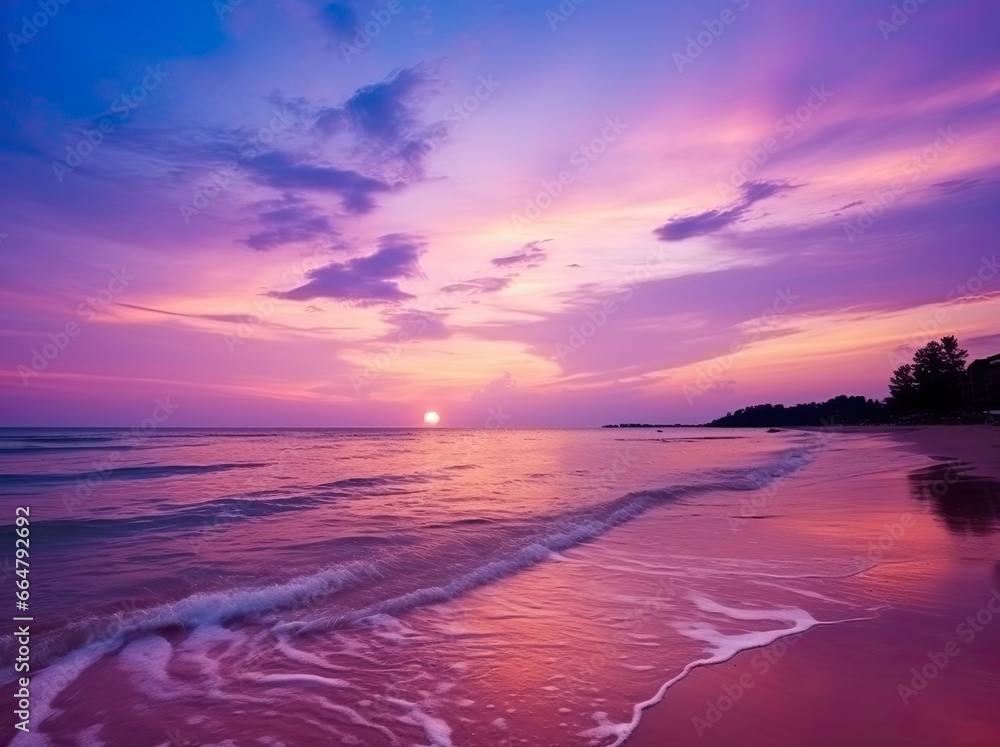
{"type": "Point", "coordinates": [431, 418]}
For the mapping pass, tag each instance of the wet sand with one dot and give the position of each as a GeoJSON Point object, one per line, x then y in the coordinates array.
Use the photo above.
{"type": "Point", "coordinates": [925, 672]}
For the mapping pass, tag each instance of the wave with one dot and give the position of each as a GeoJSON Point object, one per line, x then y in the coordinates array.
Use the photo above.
{"type": "Point", "coordinates": [198, 518]}
{"type": "Point", "coordinates": [33, 449]}
{"type": "Point", "coordinates": [547, 536]}
{"type": "Point", "coordinates": [122, 473]}
{"type": "Point", "coordinates": [221, 511]}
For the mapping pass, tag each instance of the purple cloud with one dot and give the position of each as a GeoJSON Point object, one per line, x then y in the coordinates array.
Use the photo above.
{"type": "Point", "coordinates": [288, 220]}
{"type": "Point", "coordinates": [710, 221]}
{"type": "Point", "coordinates": [475, 286]}
{"type": "Point", "coordinates": [279, 170]}
{"type": "Point", "coordinates": [385, 117]}
{"type": "Point", "coordinates": [531, 255]}
{"type": "Point", "coordinates": [365, 281]}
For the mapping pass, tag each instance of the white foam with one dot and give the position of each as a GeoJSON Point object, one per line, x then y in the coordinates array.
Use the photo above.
{"type": "Point", "coordinates": [802, 592]}
{"type": "Point", "coordinates": [46, 686]}
{"type": "Point", "coordinates": [215, 608]}
{"type": "Point", "coordinates": [354, 717]}
{"type": "Point", "coordinates": [298, 677]}
{"type": "Point", "coordinates": [303, 657]}
{"type": "Point", "coordinates": [723, 647]}
{"type": "Point", "coordinates": [207, 645]}
{"type": "Point", "coordinates": [436, 730]}
{"type": "Point", "coordinates": [89, 737]}
{"type": "Point", "coordinates": [146, 660]}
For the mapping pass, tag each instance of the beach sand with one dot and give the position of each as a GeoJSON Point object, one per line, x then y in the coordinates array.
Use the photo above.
{"type": "Point", "coordinates": [925, 672]}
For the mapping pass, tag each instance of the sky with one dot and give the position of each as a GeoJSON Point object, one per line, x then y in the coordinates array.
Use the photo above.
{"type": "Point", "coordinates": [516, 214]}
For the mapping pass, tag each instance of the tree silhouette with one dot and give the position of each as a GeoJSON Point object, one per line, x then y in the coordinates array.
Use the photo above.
{"type": "Point", "coordinates": [903, 389]}
{"type": "Point", "coordinates": [933, 382]}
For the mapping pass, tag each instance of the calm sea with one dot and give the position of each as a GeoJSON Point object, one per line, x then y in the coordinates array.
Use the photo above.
{"type": "Point", "coordinates": [383, 587]}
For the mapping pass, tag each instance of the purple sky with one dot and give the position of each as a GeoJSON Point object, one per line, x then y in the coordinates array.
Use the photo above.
{"type": "Point", "coordinates": [312, 213]}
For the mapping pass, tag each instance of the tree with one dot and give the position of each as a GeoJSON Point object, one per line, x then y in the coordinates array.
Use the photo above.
{"type": "Point", "coordinates": [933, 382]}
{"type": "Point", "coordinates": [903, 389]}
{"type": "Point", "coordinates": [954, 364]}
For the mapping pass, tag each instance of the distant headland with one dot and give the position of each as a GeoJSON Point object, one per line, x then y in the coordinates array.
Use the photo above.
{"type": "Point", "coordinates": [936, 387]}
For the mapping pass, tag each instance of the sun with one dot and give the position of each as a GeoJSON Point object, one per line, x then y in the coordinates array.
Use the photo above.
{"type": "Point", "coordinates": [431, 418]}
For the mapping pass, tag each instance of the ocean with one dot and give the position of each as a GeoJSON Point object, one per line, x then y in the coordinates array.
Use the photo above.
{"type": "Point", "coordinates": [411, 586]}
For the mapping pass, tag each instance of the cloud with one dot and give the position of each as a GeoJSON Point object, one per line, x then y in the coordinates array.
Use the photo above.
{"type": "Point", "coordinates": [416, 325]}
{"type": "Point", "coordinates": [365, 281]}
{"type": "Point", "coordinates": [496, 392]}
{"type": "Point", "coordinates": [387, 111]}
{"type": "Point", "coordinates": [340, 20]}
{"type": "Point", "coordinates": [957, 185]}
{"type": "Point", "coordinates": [225, 318]}
{"type": "Point", "coordinates": [476, 286]}
{"type": "Point", "coordinates": [710, 221]}
{"type": "Point", "coordinates": [531, 255]}
{"type": "Point", "coordinates": [288, 220]}
{"type": "Point", "coordinates": [385, 118]}
{"type": "Point", "coordinates": [279, 170]}
{"type": "Point", "coordinates": [253, 319]}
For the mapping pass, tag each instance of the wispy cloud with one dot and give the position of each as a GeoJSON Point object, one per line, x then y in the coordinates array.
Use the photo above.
{"type": "Point", "coordinates": [475, 286]}
{"type": "Point", "coordinates": [531, 255]}
{"type": "Point", "coordinates": [365, 281]}
{"type": "Point", "coordinates": [288, 220]}
{"type": "Point", "coordinates": [710, 221]}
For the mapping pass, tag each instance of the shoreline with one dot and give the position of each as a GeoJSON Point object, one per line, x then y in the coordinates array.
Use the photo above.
{"type": "Point", "coordinates": [918, 674]}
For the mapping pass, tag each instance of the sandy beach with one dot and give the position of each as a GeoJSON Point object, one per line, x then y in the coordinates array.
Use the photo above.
{"type": "Point", "coordinates": [925, 672]}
